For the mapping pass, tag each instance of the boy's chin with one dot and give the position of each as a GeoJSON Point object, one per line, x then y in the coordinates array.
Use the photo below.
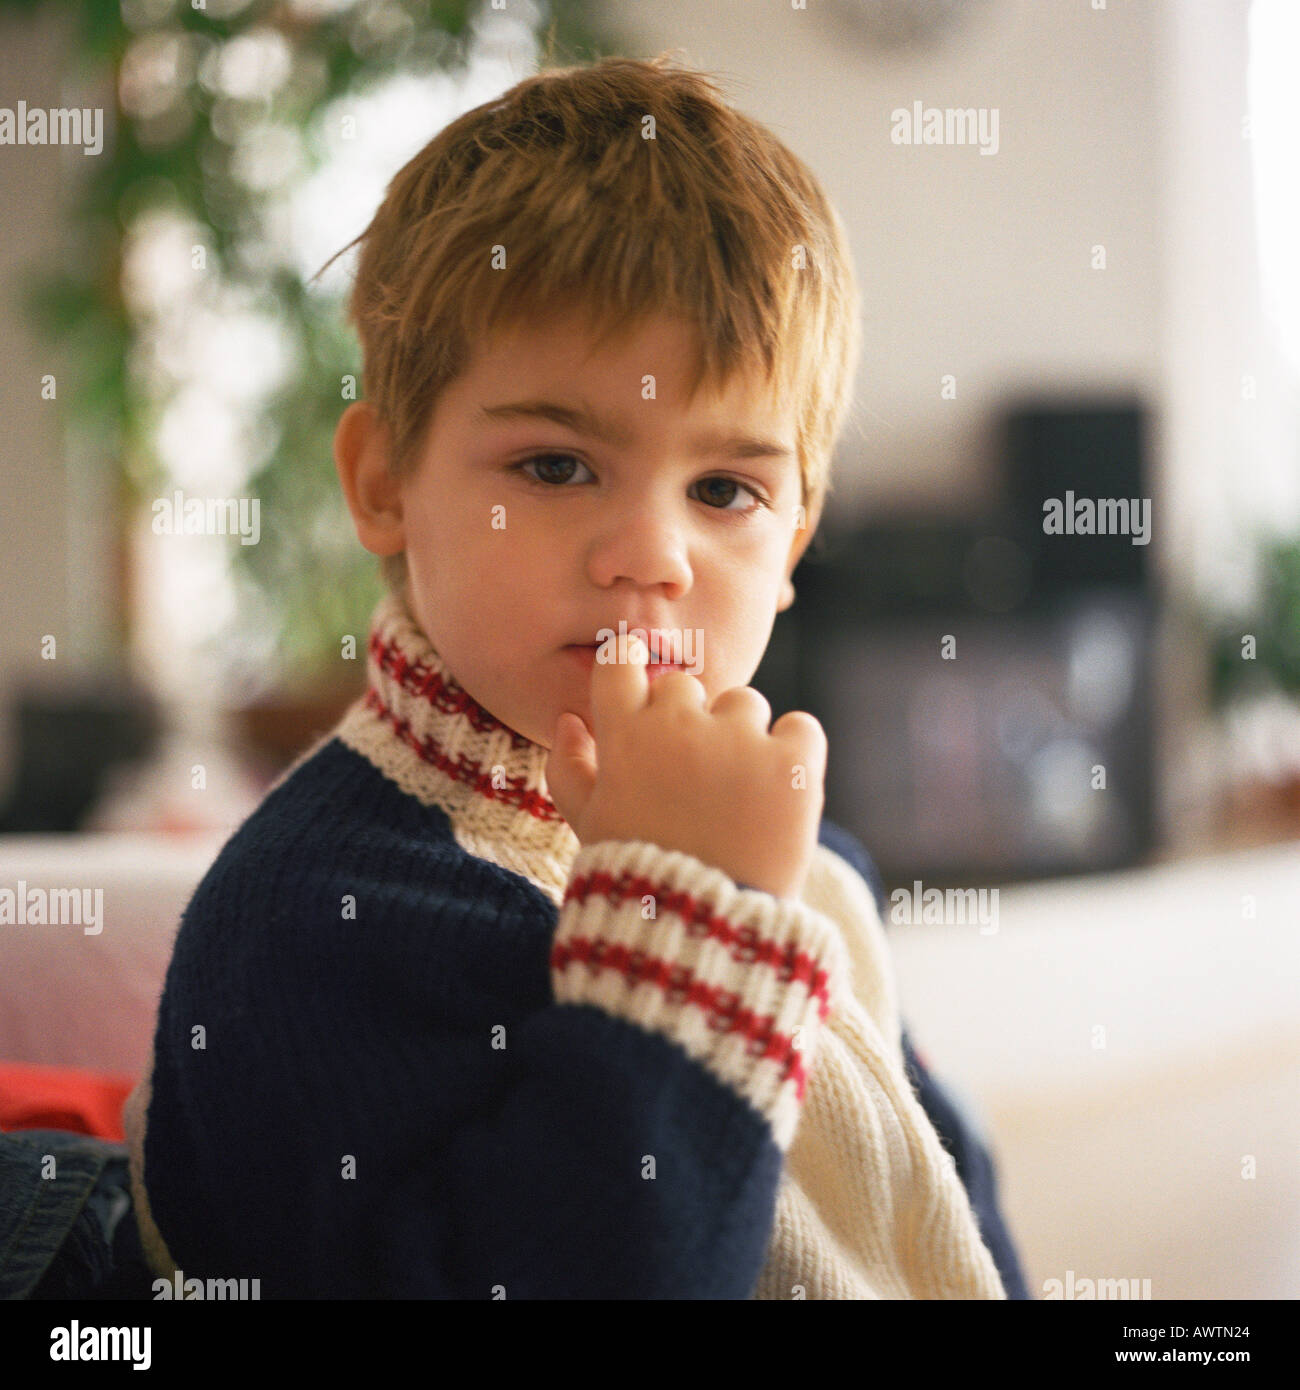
{"type": "Point", "coordinates": [532, 730]}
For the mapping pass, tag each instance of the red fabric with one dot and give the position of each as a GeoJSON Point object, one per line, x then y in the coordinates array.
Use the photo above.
{"type": "Point", "coordinates": [71, 1098]}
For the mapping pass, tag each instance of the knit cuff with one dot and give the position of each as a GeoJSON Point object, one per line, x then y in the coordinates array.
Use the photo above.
{"type": "Point", "coordinates": [744, 981]}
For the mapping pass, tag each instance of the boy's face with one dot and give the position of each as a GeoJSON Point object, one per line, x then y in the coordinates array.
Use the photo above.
{"type": "Point", "coordinates": [515, 565]}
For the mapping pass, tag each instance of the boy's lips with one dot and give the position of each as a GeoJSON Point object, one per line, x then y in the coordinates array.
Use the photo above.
{"type": "Point", "coordinates": [585, 654]}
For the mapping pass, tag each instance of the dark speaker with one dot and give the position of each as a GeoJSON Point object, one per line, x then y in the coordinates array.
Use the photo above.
{"type": "Point", "coordinates": [1079, 493]}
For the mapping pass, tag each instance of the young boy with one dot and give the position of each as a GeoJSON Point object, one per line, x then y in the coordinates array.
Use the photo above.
{"type": "Point", "coordinates": [541, 976]}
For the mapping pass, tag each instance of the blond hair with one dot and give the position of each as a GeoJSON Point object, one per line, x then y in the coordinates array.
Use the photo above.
{"type": "Point", "coordinates": [625, 188]}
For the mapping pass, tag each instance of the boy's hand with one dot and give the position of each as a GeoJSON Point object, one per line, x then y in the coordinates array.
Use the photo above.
{"type": "Point", "coordinates": [713, 783]}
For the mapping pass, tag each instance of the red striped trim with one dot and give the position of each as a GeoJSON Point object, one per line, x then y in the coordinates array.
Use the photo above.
{"type": "Point", "coordinates": [720, 1006]}
{"type": "Point", "coordinates": [425, 682]}
{"type": "Point", "coordinates": [462, 768]}
{"type": "Point", "coordinates": [748, 945]}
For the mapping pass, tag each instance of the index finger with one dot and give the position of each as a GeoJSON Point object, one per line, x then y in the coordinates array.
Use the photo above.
{"type": "Point", "coordinates": [618, 688]}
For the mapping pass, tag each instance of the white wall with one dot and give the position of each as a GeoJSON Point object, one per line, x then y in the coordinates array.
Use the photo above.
{"type": "Point", "coordinates": [1232, 406]}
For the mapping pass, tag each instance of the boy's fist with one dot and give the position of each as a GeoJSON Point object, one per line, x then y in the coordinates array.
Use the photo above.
{"type": "Point", "coordinates": [715, 783]}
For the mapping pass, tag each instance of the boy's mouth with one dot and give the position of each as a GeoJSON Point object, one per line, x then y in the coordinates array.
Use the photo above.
{"type": "Point", "coordinates": [586, 652]}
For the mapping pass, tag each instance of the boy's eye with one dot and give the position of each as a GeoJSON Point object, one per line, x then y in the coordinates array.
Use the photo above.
{"type": "Point", "coordinates": [731, 489]}
{"type": "Point", "coordinates": [553, 470]}
{"type": "Point", "coordinates": [547, 463]}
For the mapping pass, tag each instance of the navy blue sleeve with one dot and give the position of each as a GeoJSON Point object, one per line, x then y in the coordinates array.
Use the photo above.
{"type": "Point", "coordinates": [379, 1111]}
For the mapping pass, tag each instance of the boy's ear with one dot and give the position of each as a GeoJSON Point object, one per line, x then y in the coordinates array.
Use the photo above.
{"type": "Point", "coordinates": [802, 539]}
{"type": "Point", "coordinates": [373, 495]}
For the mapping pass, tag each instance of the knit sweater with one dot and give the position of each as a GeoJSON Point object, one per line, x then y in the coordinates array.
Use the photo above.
{"type": "Point", "coordinates": [416, 1041]}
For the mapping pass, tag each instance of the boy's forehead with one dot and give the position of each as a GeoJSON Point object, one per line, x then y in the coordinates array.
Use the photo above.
{"type": "Point", "coordinates": [555, 360]}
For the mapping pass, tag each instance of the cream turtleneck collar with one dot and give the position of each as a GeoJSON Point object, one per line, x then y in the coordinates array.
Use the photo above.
{"type": "Point", "coordinates": [426, 733]}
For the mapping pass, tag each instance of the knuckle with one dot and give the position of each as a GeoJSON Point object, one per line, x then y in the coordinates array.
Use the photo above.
{"type": "Point", "coordinates": [744, 698]}
{"type": "Point", "coordinates": [805, 725]}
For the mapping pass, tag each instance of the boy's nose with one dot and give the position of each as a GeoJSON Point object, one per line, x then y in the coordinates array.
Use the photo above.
{"type": "Point", "coordinates": [643, 548]}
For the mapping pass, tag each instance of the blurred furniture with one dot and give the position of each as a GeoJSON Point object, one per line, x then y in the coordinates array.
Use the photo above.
{"type": "Point", "coordinates": [275, 730]}
{"type": "Point", "coordinates": [66, 1098]}
{"type": "Point", "coordinates": [986, 687]}
{"type": "Point", "coordinates": [70, 999]}
{"type": "Point", "coordinates": [69, 741]}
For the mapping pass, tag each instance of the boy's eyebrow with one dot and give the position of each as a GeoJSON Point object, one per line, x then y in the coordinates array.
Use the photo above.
{"type": "Point", "coordinates": [585, 421]}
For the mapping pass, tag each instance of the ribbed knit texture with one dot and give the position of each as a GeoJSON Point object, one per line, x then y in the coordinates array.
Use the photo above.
{"type": "Point", "coordinates": [557, 1070]}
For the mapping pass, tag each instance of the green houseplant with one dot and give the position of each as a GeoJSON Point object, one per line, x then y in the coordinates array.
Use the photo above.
{"type": "Point", "coordinates": [1258, 649]}
{"type": "Point", "coordinates": [206, 98]}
